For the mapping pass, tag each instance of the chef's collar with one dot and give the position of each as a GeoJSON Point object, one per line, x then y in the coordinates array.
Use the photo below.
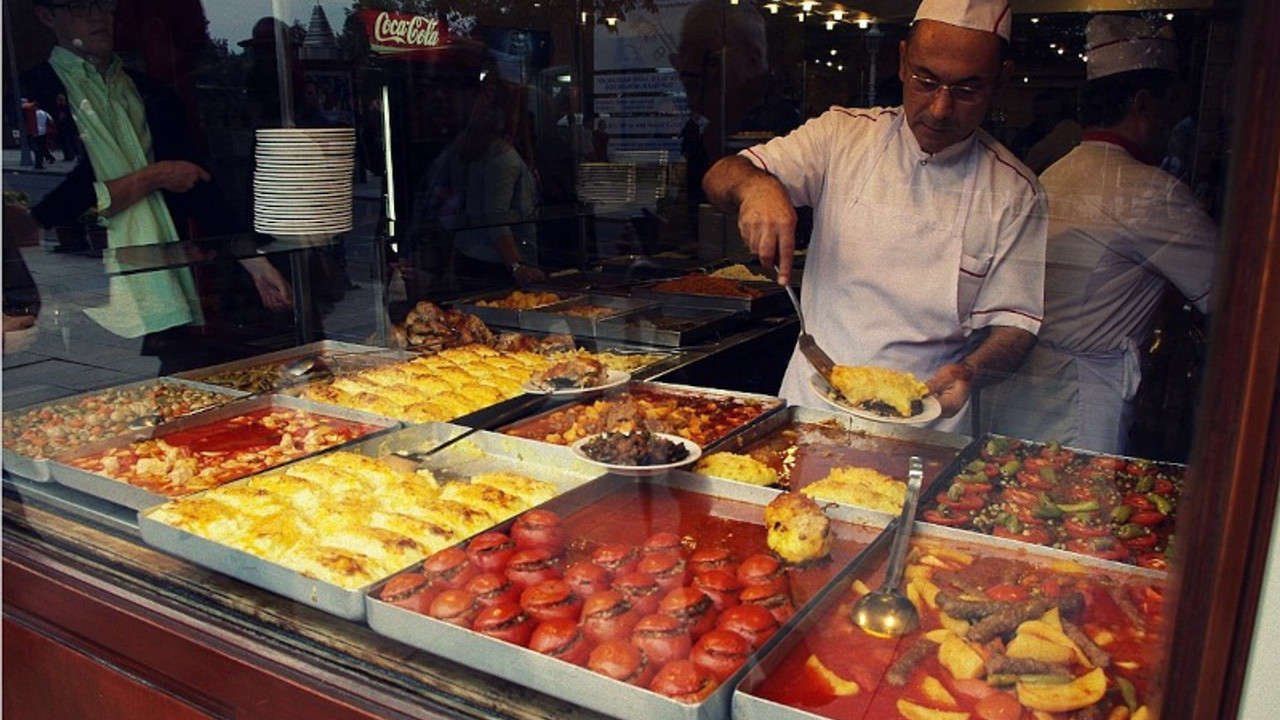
{"type": "Point", "coordinates": [945, 156]}
{"type": "Point", "coordinates": [1106, 136]}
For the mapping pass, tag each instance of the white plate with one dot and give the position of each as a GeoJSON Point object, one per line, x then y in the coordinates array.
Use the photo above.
{"type": "Point", "coordinates": [613, 378]}
{"type": "Point", "coordinates": [695, 452]}
{"type": "Point", "coordinates": [932, 408]}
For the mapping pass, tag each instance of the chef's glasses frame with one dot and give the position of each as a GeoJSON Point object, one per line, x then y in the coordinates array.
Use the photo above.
{"type": "Point", "coordinates": [960, 93]}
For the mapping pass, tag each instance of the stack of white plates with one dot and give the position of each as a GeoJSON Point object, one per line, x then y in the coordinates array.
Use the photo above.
{"type": "Point", "coordinates": [302, 181]}
{"type": "Point", "coordinates": [651, 172]}
{"type": "Point", "coordinates": [606, 183]}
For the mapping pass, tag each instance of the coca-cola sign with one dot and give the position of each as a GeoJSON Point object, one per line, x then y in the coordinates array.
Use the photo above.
{"type": "Point", "coordinates": [394, 32]}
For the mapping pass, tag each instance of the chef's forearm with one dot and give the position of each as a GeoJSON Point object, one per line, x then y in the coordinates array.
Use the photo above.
{"type": "Point", "coordinates": [999, 354]}
{"type": "Point", "coordinates": [727, 181]}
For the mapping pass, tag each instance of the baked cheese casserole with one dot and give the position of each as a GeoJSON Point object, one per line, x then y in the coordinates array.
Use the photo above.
{"type": "Point", "coordinates": [733, 466]}
{"type": "Point", "coordinates": [879, 389]}
{"type": "Point", "coordinates": [862, 487]}
{"type": "Point", "coordinates": [348, 519]}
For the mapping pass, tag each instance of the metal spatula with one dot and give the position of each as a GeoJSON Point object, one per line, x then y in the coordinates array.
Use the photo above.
{"type": "Point", "coordinates": [816, 356]}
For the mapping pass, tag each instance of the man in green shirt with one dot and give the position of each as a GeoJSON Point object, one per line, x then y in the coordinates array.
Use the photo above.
{"type": "Point", "coordinates": [140, 177]}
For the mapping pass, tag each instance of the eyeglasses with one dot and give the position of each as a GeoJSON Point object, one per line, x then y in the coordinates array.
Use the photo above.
{"type": "Point", "coordinates": [84, 7]}
{"type": "Point", "coordinates": [960, 93]}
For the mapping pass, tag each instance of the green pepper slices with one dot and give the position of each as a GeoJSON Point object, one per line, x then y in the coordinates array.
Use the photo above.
{"type": "Point", "coordinates": [1104, 506]}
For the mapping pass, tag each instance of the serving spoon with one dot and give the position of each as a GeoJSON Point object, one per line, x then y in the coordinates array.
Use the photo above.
{"type": "Point", "coordinates": [885, 611]}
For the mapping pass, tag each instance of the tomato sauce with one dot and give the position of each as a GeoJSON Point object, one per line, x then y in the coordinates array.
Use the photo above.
{"type": "Point", "coordinates": [805, 452]}
{"type": "Point", "coordinates": [1123, 614]}
{"type": "Point", "coordinates": [1097, 505]}
{"type": "Point", "coordinates": [204, 456]}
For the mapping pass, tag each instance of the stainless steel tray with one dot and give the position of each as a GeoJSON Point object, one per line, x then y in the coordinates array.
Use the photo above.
{"type": "Point", "coordinates": [851, 442]}
{"type": "Point", "coordinates": [482, 452]}
{"type": "Point", "coordinates": [38, 469]}
{"type": "Point", "coordinates": [770, 404]}
{"type": "Point", "coordinates": [645, 267]}
{"type": "Point", "coordinates": [702, 323]}
{"type": "Point", "coordinates": [585, 687]}
{"type": "Point", "coordinates": [868, 568]}
{"type": "Point", "coordinates": [553, 319]}
{"type": "Point", "coordinates": [576, 281]}
{"type": "Point", "coordinates": [337, 355]}
{"type": "Point", "coordinates": [138, 498]}
{"type": "Point", "coordinates": [506, 317]}
{"type": "Point", "coordinates": [1111, 480]}
{"type": "Point", "coordinates": [772, 300]}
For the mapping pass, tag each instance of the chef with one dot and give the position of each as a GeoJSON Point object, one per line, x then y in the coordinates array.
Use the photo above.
{"type": "Point", "coordinates": [927, 253]}
{"type": "Point", "coordinates": [1120, 231]}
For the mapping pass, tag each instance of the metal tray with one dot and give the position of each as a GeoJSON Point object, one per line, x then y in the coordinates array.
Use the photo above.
{"type": "Point", "coordinates": [647, 267]}
{"type": "Point", "coordinates": [337, 355]}
{"type": "Point", "coordinates": [773, 300]}
{"type": "Point", "coordinates": [770, 404]}
{"type": "Point", "coordinates": [482, 452]}
{"type": "Point", "coordinates": [506, 317]}
{"type": "Point", "coordinates": [138, 498]}
{"type": "Point", "coordinates": [38, 469]}
{"type": "Point", "coordinates": [828, 439]}
{"type": "Point", "coordinates": [576, 281]}
{"type": "Point", "coordinates": [612, 493]}
{"type": "Point", "coordinates": [1176, 472]}
{"type": "Point", "coordinates": [702, 324]}
{"type": "Point", "coordinates": [554, 320]}
{"type": "Point", "coordinates": [868, 568]}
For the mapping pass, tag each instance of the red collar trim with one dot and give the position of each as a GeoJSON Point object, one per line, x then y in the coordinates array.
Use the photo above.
{"type": "Point", "coordinates": [1124, 143]}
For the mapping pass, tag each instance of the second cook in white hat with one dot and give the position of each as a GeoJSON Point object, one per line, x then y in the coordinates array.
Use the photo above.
{"type": "Point", "coordinates": [1119, 43]}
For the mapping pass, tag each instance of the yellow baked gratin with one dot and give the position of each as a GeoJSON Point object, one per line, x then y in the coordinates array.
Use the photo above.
{"type": "Point", "coordinates": [861, 487]}
{"type": "Point", "coordinates": [348, 519]}
{"type": "Point", "coordinates": [878, 389]}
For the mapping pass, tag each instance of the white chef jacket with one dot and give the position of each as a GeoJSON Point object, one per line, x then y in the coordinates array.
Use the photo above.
{"type": "Point", "coordinates": [1119, 230]}
{"type": "Point", "coordinates": [911, 252]}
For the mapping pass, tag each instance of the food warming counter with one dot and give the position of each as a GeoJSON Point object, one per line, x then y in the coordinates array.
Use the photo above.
{"type": "Point", "coordinates": [141, 629]}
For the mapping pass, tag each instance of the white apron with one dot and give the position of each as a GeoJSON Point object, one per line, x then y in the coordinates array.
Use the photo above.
{"type": "Point", "coordinates": [882, 285]}
{"type": "Point", "coordinates": [1093, 391]}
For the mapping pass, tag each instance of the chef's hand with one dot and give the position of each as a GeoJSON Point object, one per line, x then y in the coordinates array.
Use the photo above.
{"type": "Point", "coordinates": [526, 275]}
{"type": "Point", "coordinates": [766, 219]}
{"type": "Point", "coordinates": [767, 222]}
{"type": "Point", "coordinates": [275, 291]}
{"type": "Point", "coordinates": [951, 385]}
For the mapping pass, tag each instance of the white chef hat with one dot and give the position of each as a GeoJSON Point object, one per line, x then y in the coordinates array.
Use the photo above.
{"type": "Point", "coordinates": [993, 16]}
{"type": "Point", "coordinates": [1119, 43]}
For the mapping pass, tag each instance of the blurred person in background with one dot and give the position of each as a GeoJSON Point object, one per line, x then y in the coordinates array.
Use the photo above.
{"type": "Point", "coordinates": [482, 189]}
{"type": "Point", "coordinates": [1121, 230]}
{"type": "Point", "coordinates": [140, 174]}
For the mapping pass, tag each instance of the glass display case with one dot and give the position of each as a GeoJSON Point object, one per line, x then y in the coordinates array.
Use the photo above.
{"type": "Point", "coordinates": [357, 183]}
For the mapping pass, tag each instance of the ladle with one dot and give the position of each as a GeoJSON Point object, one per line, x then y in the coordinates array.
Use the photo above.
{"type": "Point", "coordinates": [885, 611]}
